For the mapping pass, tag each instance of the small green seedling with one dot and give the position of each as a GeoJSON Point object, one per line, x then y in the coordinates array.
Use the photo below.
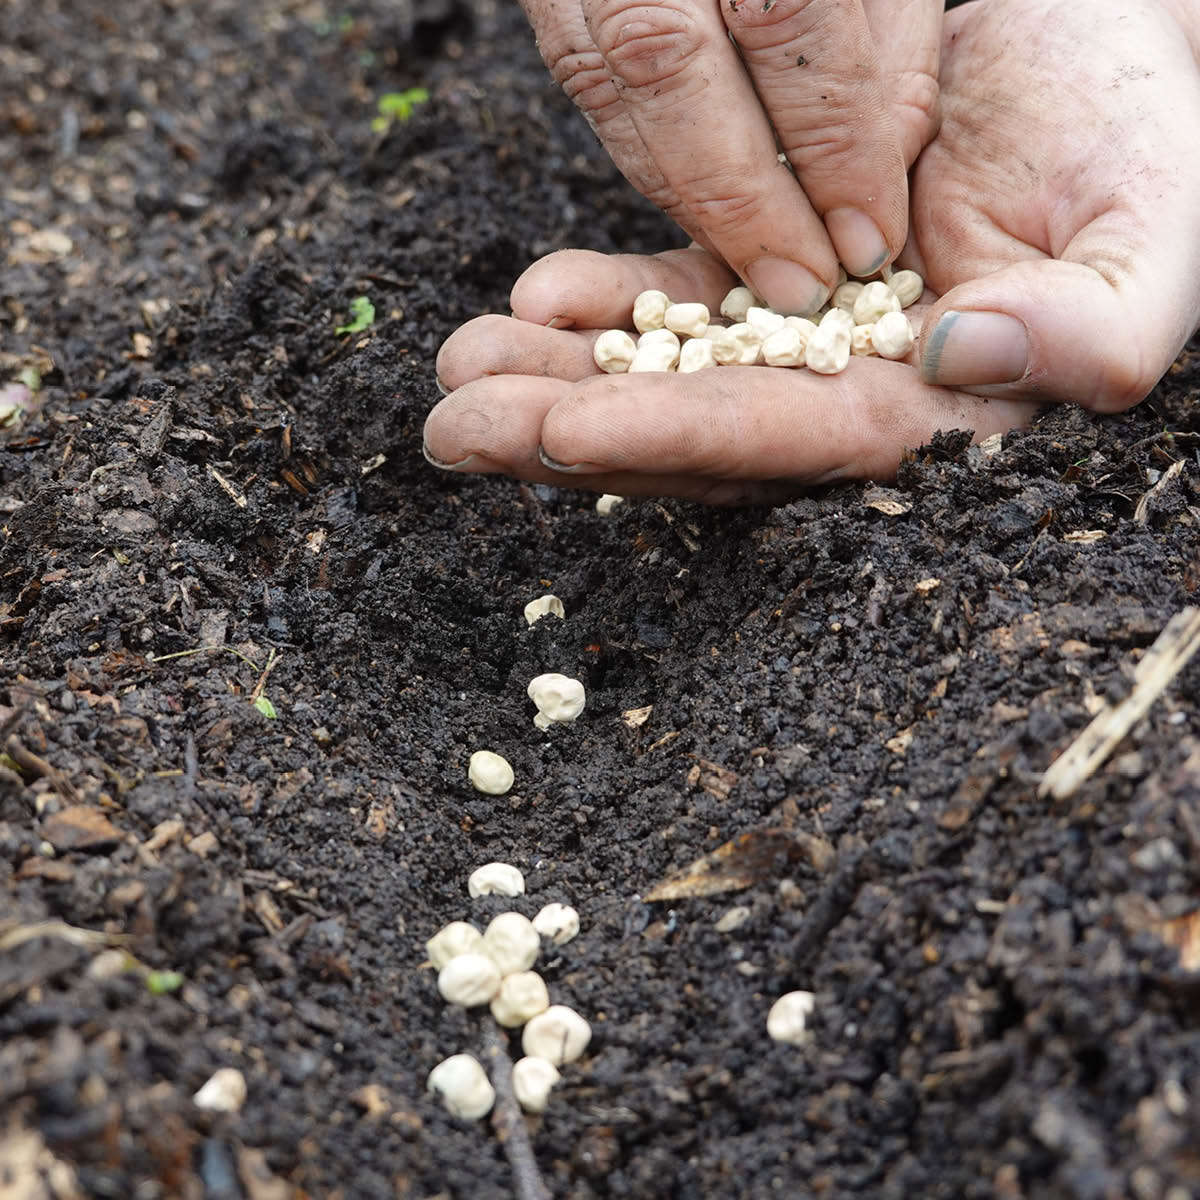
{"type": "Point", "coordinates": [264, 706]}
{"type": "Point", "coordinates": [159, 983]}
{"type": "Point", "coordinates": [397, 106]}
{"type": "Point", "coordinates": [362, 313]}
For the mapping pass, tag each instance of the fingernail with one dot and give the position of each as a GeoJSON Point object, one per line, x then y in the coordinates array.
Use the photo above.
{"type": "Point", "coordinates": [857, 240]}
{"type": "Point", "coordinates": [441, 387]}
{"type": "Point", "coordinates": [441, 465]}
{"type": "Point", "coordinates": [560, 323]}
{"type": "Point", "coordinates": [971, 348]}
{"type": "Point", "coordinates": [553, 464]}
{"type": "Point", "coordinates": [786, 286]}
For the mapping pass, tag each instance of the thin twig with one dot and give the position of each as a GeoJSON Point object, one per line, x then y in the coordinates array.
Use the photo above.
{"type": "Point", "coordinates": [508, 1122]}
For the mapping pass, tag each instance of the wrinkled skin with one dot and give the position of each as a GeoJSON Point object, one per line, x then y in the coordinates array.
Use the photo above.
{"type": "Point", "coordinates": [1054, 217]}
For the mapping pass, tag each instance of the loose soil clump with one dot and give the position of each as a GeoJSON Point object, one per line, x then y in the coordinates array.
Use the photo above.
{"type": "Point", "coordinates": [250, 640]}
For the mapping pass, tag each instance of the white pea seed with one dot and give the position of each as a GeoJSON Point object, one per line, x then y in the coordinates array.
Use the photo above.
{"type": "Point", "coordinates": [453, 940]}
{"type": "Point", "coordinates": [740, 346]}
{"type": "Point", "coordinates": [490, 773]}
{"type": "Point", "coordinates": [558, 699]}
{"type": "Point", "coordinates": [784, 348]}
{"type": "Point", "coordinates": [496, 879]}
{"type": "Point", "coordinates": [469, 979]}
{"type": "Point", "coordinates": [225, 1091]}
{"type": "Point", "coordinates": [738, 301]}
{"type": "Point", "coordinates": [907, 286]}
{"type": "Point", "coordinates": [607, 502]}
{"type": "Point", "coordinates": [614, 351]}
{"type": "Point", "coordinates": [544, 606]}
{"type": "Point", "coordinates": [559, 1035]}
{"type": "Point", "coordinates": [837, 318]}
{"type": "Point", "coordinates": [803, 326]}
{"type": "Point", "coordinates": [873, 301]}
{"type": "Point", "coordinates": [687, 319]}
{"type": "Point", "coordinates": [658, 356]}
{"type": "Point", "coordinates": [892, 335]}
{"type": "Point", "coordinates": [860, 341]}
{"type": "Point", "coordinates": [788, 1019]}
{"type": "Point", "coordinates": [649, 309]}
{"type": "Point", "coordinates": [532, 1080]}
{"type": "Point", "coordinates": [659, 337]}
{"type": "Point", "coordinates": [696, 355]}
{"type": "Point", "coordinates": [522, 995]}
{"type": "Point", "coordinates": [511, 942]}
{"type": "Point", "coordinates": [463, 1086]}
{"type": "Point", "coordinates": [845, 294]}
{"type": "Point", "coordinates": [558, 923]}
{"type": "Point", "coordinates": [828, 350]}
{"type": "Point", "coordinates": [764, 321]}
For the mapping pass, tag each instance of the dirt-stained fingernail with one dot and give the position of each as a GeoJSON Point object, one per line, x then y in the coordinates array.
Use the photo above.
{"type": "Point", "coordinates": [969, 349]}
{"type": "Point", "coordinates": [580, 468]}
{"type": "Point", "coordinates": [857, 239]}
{"type": "Point", "coordinates": [433, 460]}
{"type": "Point", "coordinates": [786, 286]}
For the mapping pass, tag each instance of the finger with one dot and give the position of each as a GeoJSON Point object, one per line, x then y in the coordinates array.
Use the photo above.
{"type": "Point", "coordinates": [736, 423]}
{"type": "Point", "coordinates": [1098, 327]}
{"type": "Point", "coordinates": [597, 291]}
{"type": "Point", "coordinates": [816, 70]}
{"type": "Point", "coordinates": [697, 113]}
{"type": "Point", "coordinates": [908, 35]}
{"type": "Point", "coordinates": [496, 345]}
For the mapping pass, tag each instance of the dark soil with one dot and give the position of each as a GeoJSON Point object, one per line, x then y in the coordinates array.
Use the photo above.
{"type": "Point", "coordinates": [213, 473]}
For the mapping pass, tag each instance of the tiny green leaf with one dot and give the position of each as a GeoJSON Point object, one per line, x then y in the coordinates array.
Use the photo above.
{"type": "Point", "coordinates": [398, 106]}
{"type": "Point", "coordinates": [160, 983]}
{"type": "Point", "coordinates": [264, 706]}
{"type": "Point", "coordinates": [362, 312]}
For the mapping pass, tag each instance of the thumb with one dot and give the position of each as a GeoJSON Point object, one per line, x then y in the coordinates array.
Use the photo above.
{"type": "Point", "coordinates": [1097, 335]}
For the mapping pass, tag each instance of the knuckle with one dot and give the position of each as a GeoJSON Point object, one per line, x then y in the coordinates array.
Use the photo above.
{"type": "Point", "coordinates": [722, 207]}
{"type": "Point", "coordinates": [585, 79]}
{"type": "Point", "coordinates": [647, 45]}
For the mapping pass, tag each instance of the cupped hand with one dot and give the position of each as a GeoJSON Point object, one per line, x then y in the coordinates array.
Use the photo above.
{"type": "Point", "coordinates": [1053, 218]}
{"type": "Point", "coordinates": [695, 98]}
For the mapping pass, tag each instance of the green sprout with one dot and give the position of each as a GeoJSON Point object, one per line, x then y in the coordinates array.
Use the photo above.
{"type": "Point", "coordinates": [264, 706]}
{"type": "Point", "coordinates": [362, 313]}
{"type": "Point", "coordinates": [160, 983]}
{"type": "Point", "coordinates": [397, 106]}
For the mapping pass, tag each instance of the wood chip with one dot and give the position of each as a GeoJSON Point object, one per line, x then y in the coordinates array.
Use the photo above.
{"type": "Point", "coordinates": [1171, 652]}
{"type": "Point", "coordinates": [636, 717]}
{"type": "Point", "coordinates": [80, 827]}
{"type": "Point", "coordinates": [887, 502]}
{"type": "Point", "coordinates": [748, 859]}
{"type": "Point", "coordinates": [1142, 512]}
{"type": "Point", "coordinates": [1084, 536]}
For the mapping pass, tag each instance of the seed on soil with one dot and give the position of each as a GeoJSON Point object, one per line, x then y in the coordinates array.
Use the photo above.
{"type": "Point", "coordinates": [614, 351]}
{"type": "Point", "coordinates": [496, 879]}
{"type": "Point", "coordinates": [463, 1085]}
{"type": "Point", "coordinates": [690, 320]}
{"type": "Point", "coordinates": [469, 979]}
{"type": "Point", "coordinates": [737, 303]}
{"type": "Point", "coordinates": [544, 606]}
{"type": "Point", "coordinates": [511, 942]}
{"type": "Point", "coordinates": [490, 773]}
{"type": "Point", "coordinates": [522, 995]}
{"type": "Point", "coordinates": [788, 1019]}
{"type": "Point", "coordinates": [532, 1080]}
{"type": "Point", "coordinates": [224, 1092]}
{"type": "Point", "coordinates": [558, 923]}
{"type": "Point", "coordinates": [892, 335]}
{"type": "Point", "coordinates": [873, 301]}
{"type": "Point", "coordinates": [649, 309]}
{"type": "Point", "coordinates": [559, 1035]}
{"type": "Point", "coordinates": [559, 699]}
{"type": "Point", "coordinates": [606, 503]}
{"type": "Point", "coordinates": [452, 940]}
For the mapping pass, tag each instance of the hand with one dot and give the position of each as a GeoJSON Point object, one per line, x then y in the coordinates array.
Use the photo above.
{"type": "Point", "coordinates": [692, 121]}
{"type": "Point", "coordinates": [1053, 217]}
